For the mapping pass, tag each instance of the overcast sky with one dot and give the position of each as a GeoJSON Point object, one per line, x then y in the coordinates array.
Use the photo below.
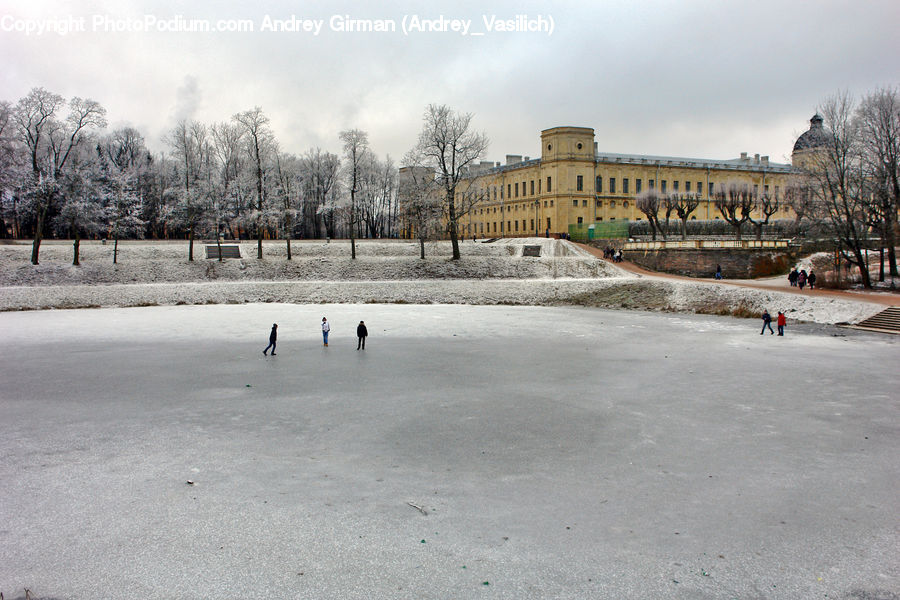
{"type": "Point", "coordinates": [699, 79]}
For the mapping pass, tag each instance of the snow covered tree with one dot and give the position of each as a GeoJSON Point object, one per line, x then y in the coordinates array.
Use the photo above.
{"type": "Point", "coordinates": [356, 151]}
{"type": "Point", "coordinates": [81, 210]}
{"type": "Point", "coordinates": [123, 160]}
{"type": "Point", "coordinates": [319, 170]}
{"type": "Point", "coordinates": [288, 182]}
{"type": "Point", "coordinates": [260, 146]}
{"type": "Point", "coordinates": [192, 149]}
{"type": "Point", "coordinates": [447, 145]}
{"type": "Point", "coordinates": [51, 143]}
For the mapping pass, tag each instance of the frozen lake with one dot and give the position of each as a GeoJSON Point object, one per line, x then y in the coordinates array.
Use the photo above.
{"type": "Point", "coordinates": [468, 452]}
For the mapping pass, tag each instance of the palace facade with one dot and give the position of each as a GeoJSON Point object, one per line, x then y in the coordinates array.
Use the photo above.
{"type": "Point", "coordinates": [573, 184]}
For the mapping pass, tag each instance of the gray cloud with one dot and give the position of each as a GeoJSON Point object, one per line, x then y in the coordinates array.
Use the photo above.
{"type": "Point", "coordinates": [688, 78]}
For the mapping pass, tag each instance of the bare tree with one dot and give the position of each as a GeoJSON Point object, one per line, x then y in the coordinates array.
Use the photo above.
{"type": "Point", "coordinates": [259, 144]}
{"type": "Point", "coordinates": [878, 118]}
{"type": "Point", "coordinates": [837, 178]}
{"type": "Point", "coordinates": [420, 201]}
{"type": "Point", "coordinates": [356, 151]}
{"type": "Point", "coordinates": [768, 206]}
{"type": "Point", "coordinates": [683, 205]}
{"type": "Point", "coordinates": [648, 202]}
{"type": "Point", "coordinates": [735, 201]}
{"type": "Point", "coordinates": [447, 145]}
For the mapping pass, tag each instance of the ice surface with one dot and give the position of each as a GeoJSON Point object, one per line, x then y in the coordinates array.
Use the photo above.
{"type": "Point", "coordinates": [557, 452]}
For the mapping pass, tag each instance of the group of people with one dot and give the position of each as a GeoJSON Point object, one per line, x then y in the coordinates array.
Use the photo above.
{"type": "Point", "coordinates": [767, 322]}
{"type": "Point", "coordinates": [612, 254]}
{"type": "Point", "coordinates": [361, 334]}
{"type": "Point", "coordinates": [801, 278]}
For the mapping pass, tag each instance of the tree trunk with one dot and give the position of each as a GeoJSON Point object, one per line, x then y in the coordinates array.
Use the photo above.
{"type": "Point", "coordinates": [219, 245]}
{"type": "Point", "coordinates": [454, 238]}
{"type": "Point", "coordinates": [289, 247]}
{"type": "Point", "coordinates": [76, 246]}
{"type": "Point", "coordinates": [191, 244]}
{"type": "Point", "coordinates": [684, 229]}
{"type": "Point", "coordinates": [352, 220]}
{"type": "Point", "coordinates": [422, 248]}
{"type": "Point", "coordinates": [116, 248]}
{"type": "Point", "coordinates": [38, 233]}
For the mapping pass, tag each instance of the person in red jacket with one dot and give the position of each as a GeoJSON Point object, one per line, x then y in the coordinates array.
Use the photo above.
{"type": "Point", "coordinates": [782, 321]}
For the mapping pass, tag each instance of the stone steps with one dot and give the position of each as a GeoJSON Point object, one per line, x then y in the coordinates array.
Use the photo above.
{"type": "Point", "coordinates": [887, 321]}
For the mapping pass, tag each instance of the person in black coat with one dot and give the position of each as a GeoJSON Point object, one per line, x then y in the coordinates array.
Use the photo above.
{"type": "Point", "coordinates": [272, 337]}
{"type": "Point", "coordinates": [361, 334]}
{"type": "Point", "coordinates": [767, 322]}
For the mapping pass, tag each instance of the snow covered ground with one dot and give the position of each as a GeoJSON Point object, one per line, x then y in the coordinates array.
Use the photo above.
{"type": "Point", "coordinates": [154, 273]}
{"type": "Point", "coordinates": [508, 452]}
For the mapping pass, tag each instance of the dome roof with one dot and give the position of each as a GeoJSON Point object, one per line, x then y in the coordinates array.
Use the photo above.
{"type": "Point", "coordinates": [814, 138]}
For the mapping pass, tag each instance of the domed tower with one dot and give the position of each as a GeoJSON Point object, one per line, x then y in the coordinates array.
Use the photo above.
{"type": "Point", "coordinates": [808, 143]}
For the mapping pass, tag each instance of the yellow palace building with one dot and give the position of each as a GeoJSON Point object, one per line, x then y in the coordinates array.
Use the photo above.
{"type": "Point", "coordinates": [572, 184]}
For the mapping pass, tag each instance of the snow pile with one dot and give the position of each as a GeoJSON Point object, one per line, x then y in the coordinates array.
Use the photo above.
{"type": "Point", "coordinates": [385, 272]}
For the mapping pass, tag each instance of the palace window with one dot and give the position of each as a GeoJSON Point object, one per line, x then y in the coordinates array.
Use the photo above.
{"type": "Point", "coordinates": [699, 187]}
{"type": "Point", "coordinates": [625, 204]}
{"type": "Point", "coordinates": [584, 202]}
{"type": "Point", "coordinates": [579, 183]}
{"type": "Point", "coordinates": [687, 186]}
{"type": "Point", "coordinates": [674, 185]}
{"type": "Point", "coordinates": [755, 190]}
{"type": "Point", "coordinates": [612, 185]}
{"type": "Point", "coordinates": [517, 190]}
{"type": "Point", "coordinates": [580, 220]}
{"type": "Point", "coordinates": [548, 222]}
{"type": "Point", "coordinates": [663, 184]}
{"type": "Point", "coordinates": [598, 184]}
{"type": "Point", "coordinates": [599, 203]}
{"type": "Point", "coordinates": [532, 224]}
{"type": "Point", "coordinates": [709, 192]}
{"type": "Point", "coordinates": [637, 186]}
{"type": "Point", "coordinates": [612, 203]}
{"type": "Point", "coordinates": [549, 186]}
{"type": "Point", "coordinates": [652, 184]}
{"type": "Point", "coordinates": [532, 187]}
{"type": "Point", "coordinates": [517, 225]}
{"type": "Point", "coordinates": [624, 185]}
{"type": "Point", "coordinates": [766, 190]}
{"type": "Point", "coordinates": [575, 202]}
{"type": "Point", "coordinates": [509, 190]}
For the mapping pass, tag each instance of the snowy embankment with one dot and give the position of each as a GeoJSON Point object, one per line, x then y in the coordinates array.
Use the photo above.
{"type": "Point", "coordinates": [152, 273]}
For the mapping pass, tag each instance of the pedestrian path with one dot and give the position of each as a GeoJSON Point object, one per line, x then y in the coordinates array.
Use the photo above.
{"type": "Point", "coordinates": [777, 283]}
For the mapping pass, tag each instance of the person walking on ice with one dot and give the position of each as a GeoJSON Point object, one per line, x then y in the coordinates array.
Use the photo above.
{"type": "Point", "coordinates": [325, 329]}
{"type": "Point", "coordinates": [361, 333]}
{"type": "Point", "coordinates": [272, 337]}
{"type": "Point", "coordinates": [782, 321]}
{"type": "Point", "coordinates": [767, 322]}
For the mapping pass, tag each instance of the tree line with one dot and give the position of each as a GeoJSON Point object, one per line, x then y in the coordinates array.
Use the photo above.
{"type": "Point", "coordinates": [63, 175]}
